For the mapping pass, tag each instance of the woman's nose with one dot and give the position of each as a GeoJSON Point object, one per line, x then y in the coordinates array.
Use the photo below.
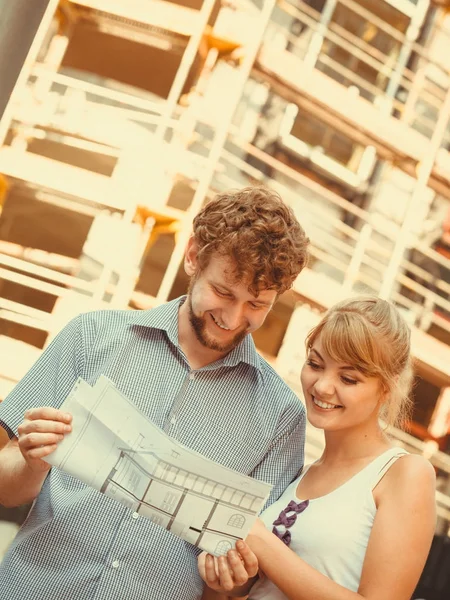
{"type": "Point", "coordinates": [324, 385]}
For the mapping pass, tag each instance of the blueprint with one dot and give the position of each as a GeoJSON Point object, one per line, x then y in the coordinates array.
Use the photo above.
{"type": "Point", "coordinates": [117, 450]}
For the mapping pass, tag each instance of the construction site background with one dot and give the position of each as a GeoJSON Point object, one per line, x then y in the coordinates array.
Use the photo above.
{"type": "Point", "coordinates": [120, 119]}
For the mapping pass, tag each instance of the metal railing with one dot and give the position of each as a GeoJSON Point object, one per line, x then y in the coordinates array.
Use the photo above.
{"type": "Point", "coordinates": [409, 83]}
{"type": "Point", "coordinates": [355, 257]}
{"type": "Point", "coordinates": [96, 118]}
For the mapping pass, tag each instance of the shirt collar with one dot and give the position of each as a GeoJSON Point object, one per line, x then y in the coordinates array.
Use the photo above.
{"type": "Point", "coordinates": [244, 352]}
{"type": "Point", "coordinates": [165, 318]}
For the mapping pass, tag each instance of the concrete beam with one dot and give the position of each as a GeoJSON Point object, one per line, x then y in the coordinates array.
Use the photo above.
{"type": "Point", "coordinates": [23, 25]}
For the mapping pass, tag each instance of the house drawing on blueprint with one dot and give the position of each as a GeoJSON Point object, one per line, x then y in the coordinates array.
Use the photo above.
{"type": "Point", "coordinates": [116, 449]}
{"type": "Point", "coordinates": [202, 511]}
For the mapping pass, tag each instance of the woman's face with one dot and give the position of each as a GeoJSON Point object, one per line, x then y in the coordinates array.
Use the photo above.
{"type": "Point", "coordinates": [337, 395]}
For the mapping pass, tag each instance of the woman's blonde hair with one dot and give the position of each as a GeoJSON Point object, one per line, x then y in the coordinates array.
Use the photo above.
{"type": "Point", "coordinates": [370, 334]}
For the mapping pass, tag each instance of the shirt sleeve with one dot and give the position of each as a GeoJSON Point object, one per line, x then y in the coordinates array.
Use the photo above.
{"type": "Point", "coordinates": [285, 458]}
{"type": "Point", "coordinates": [49, 380]}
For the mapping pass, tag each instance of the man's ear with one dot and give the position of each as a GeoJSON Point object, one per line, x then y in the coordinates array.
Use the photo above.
{"type": "Point", "coordinates": [190, 257]}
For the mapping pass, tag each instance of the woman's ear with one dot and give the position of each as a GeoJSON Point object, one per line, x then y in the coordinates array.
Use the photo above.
{"type": "Point", "coordinates": [384, 393]}
{"type": "Point", "coordinates": [190, 257]}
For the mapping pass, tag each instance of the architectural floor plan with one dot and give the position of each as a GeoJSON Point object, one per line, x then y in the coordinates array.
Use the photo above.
{"type": "Point", "coordinates": [116, 449]}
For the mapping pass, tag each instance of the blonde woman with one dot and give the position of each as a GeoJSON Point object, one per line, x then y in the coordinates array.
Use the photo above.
{"type": "Point", "coordinates": [357, 523]}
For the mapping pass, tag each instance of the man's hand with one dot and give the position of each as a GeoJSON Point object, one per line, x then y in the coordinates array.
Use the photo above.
{"type": "Point", "coordinates": [40, 433]}
{"type": "Point", "coordinates": [228, 573]}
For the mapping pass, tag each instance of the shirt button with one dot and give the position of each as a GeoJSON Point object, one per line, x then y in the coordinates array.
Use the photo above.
{"type": "Point", "coordinates": [173, 420]}
{"type": "Point", "coordinates": [192, 376]}
{"type": "Point", "coordinates": [115, 564]}
{"type": "Point", "coordinates": [135, 515]}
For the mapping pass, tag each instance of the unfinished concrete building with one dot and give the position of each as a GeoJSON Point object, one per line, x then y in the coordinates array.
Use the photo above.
{"type": "Point", "coordinates": [129, 115]}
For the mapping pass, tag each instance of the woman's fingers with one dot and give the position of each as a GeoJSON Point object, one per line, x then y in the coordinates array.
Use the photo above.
{"type": "Point", "coordinates": [211, 571]}
{"type": "Point", "coordinates": [225, 574]}
{"type": "Point", "coordinates": [248, 557]}
{"type": "Point", "coordinates": [201, 559]}
{"type": "Point", "coordinates": [238, 568]}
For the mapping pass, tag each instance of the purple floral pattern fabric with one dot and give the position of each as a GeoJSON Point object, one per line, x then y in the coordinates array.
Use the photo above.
{"type": "Point", "coordinates": [287, 518]}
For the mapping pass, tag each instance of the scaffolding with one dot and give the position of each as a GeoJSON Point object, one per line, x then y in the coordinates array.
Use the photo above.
{"type": "Point", "coordinates": [122, 155]}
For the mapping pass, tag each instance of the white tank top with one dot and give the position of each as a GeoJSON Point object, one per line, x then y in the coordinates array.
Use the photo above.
{"type": "Point", "coordinates": [331, 534]}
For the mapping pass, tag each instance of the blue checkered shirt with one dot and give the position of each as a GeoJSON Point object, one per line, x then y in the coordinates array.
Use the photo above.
{"type": "Point", "coordinates": [78, 544]}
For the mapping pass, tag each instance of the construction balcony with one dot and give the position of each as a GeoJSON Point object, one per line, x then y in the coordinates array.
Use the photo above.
{"type": "Point", "coordinates": [99, 148]}
{"type": "Point", "coordinates": [133, 114]}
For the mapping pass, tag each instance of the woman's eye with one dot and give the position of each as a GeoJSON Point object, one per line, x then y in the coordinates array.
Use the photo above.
{"type": "Point", "coordinates": [349, 381]}
{"type": "Point", "coordinates": [313, 364]}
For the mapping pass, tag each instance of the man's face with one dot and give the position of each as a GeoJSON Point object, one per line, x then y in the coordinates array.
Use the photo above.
{"type": "Point", "coordinates": [222, 311]}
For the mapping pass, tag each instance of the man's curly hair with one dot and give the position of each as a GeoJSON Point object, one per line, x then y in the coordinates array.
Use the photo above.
{"type": "Point", "coordinates": [258, 232]}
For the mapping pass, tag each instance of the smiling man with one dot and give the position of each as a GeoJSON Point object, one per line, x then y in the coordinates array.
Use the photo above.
{"type": "Point", "coordinates": [192, 368]}
{"type": "Point", "coordinates": [246, 249]}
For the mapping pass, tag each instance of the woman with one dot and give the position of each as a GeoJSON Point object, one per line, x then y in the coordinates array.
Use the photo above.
{"type": "Point", "coordinates": [358, 522]}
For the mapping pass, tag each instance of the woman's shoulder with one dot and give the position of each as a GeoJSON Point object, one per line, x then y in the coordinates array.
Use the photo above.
{"type": "Point", "coordinates": [409, 471]}
{"type": "Point", "coordinates": [415, 465]}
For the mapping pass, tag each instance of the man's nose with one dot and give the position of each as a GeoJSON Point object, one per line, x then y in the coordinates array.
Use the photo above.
{"type": "Point", "coordinates": [233, 316]}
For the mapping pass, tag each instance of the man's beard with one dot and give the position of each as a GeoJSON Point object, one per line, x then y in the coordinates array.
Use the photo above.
{"type": "Point", "coordinates": [199, 326]}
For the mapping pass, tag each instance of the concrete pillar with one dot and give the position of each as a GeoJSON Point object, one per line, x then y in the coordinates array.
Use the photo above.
{"type": "Point", "coordinates": [22, 27]}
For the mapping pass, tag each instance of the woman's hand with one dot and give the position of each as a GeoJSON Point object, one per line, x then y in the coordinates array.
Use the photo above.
{"type": "Point", "coordinates": [258, 529]}
{"type": "Point", "coordinates": [229, 573]}
{"type": "Point", "coordinates": [257, 534]}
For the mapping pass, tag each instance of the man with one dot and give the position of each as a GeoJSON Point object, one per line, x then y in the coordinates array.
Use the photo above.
{"type": "Point", "coordinates": [189, 365]}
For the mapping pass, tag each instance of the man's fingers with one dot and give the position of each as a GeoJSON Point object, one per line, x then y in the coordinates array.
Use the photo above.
{"type": "Point", "coordinates": [42, 451]}
{"type": "Point", "coordinates": [35, 440]}
{"type": "Point", "coordinates": [249, 558]}
{"type": "Point", "coordinates": [43, 426]}
{"type": "Point", "coordinates": [240, 574]}
{"type": "Point", "coordinates": [48, 414]}
{"type": "Point", "coordinates": [43, 429]}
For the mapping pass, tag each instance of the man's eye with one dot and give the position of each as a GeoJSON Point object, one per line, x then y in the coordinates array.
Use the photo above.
{"type": "Point", "coordinates": [255, 306]}
{"type": "Point", "coordinates": [220, 293]}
